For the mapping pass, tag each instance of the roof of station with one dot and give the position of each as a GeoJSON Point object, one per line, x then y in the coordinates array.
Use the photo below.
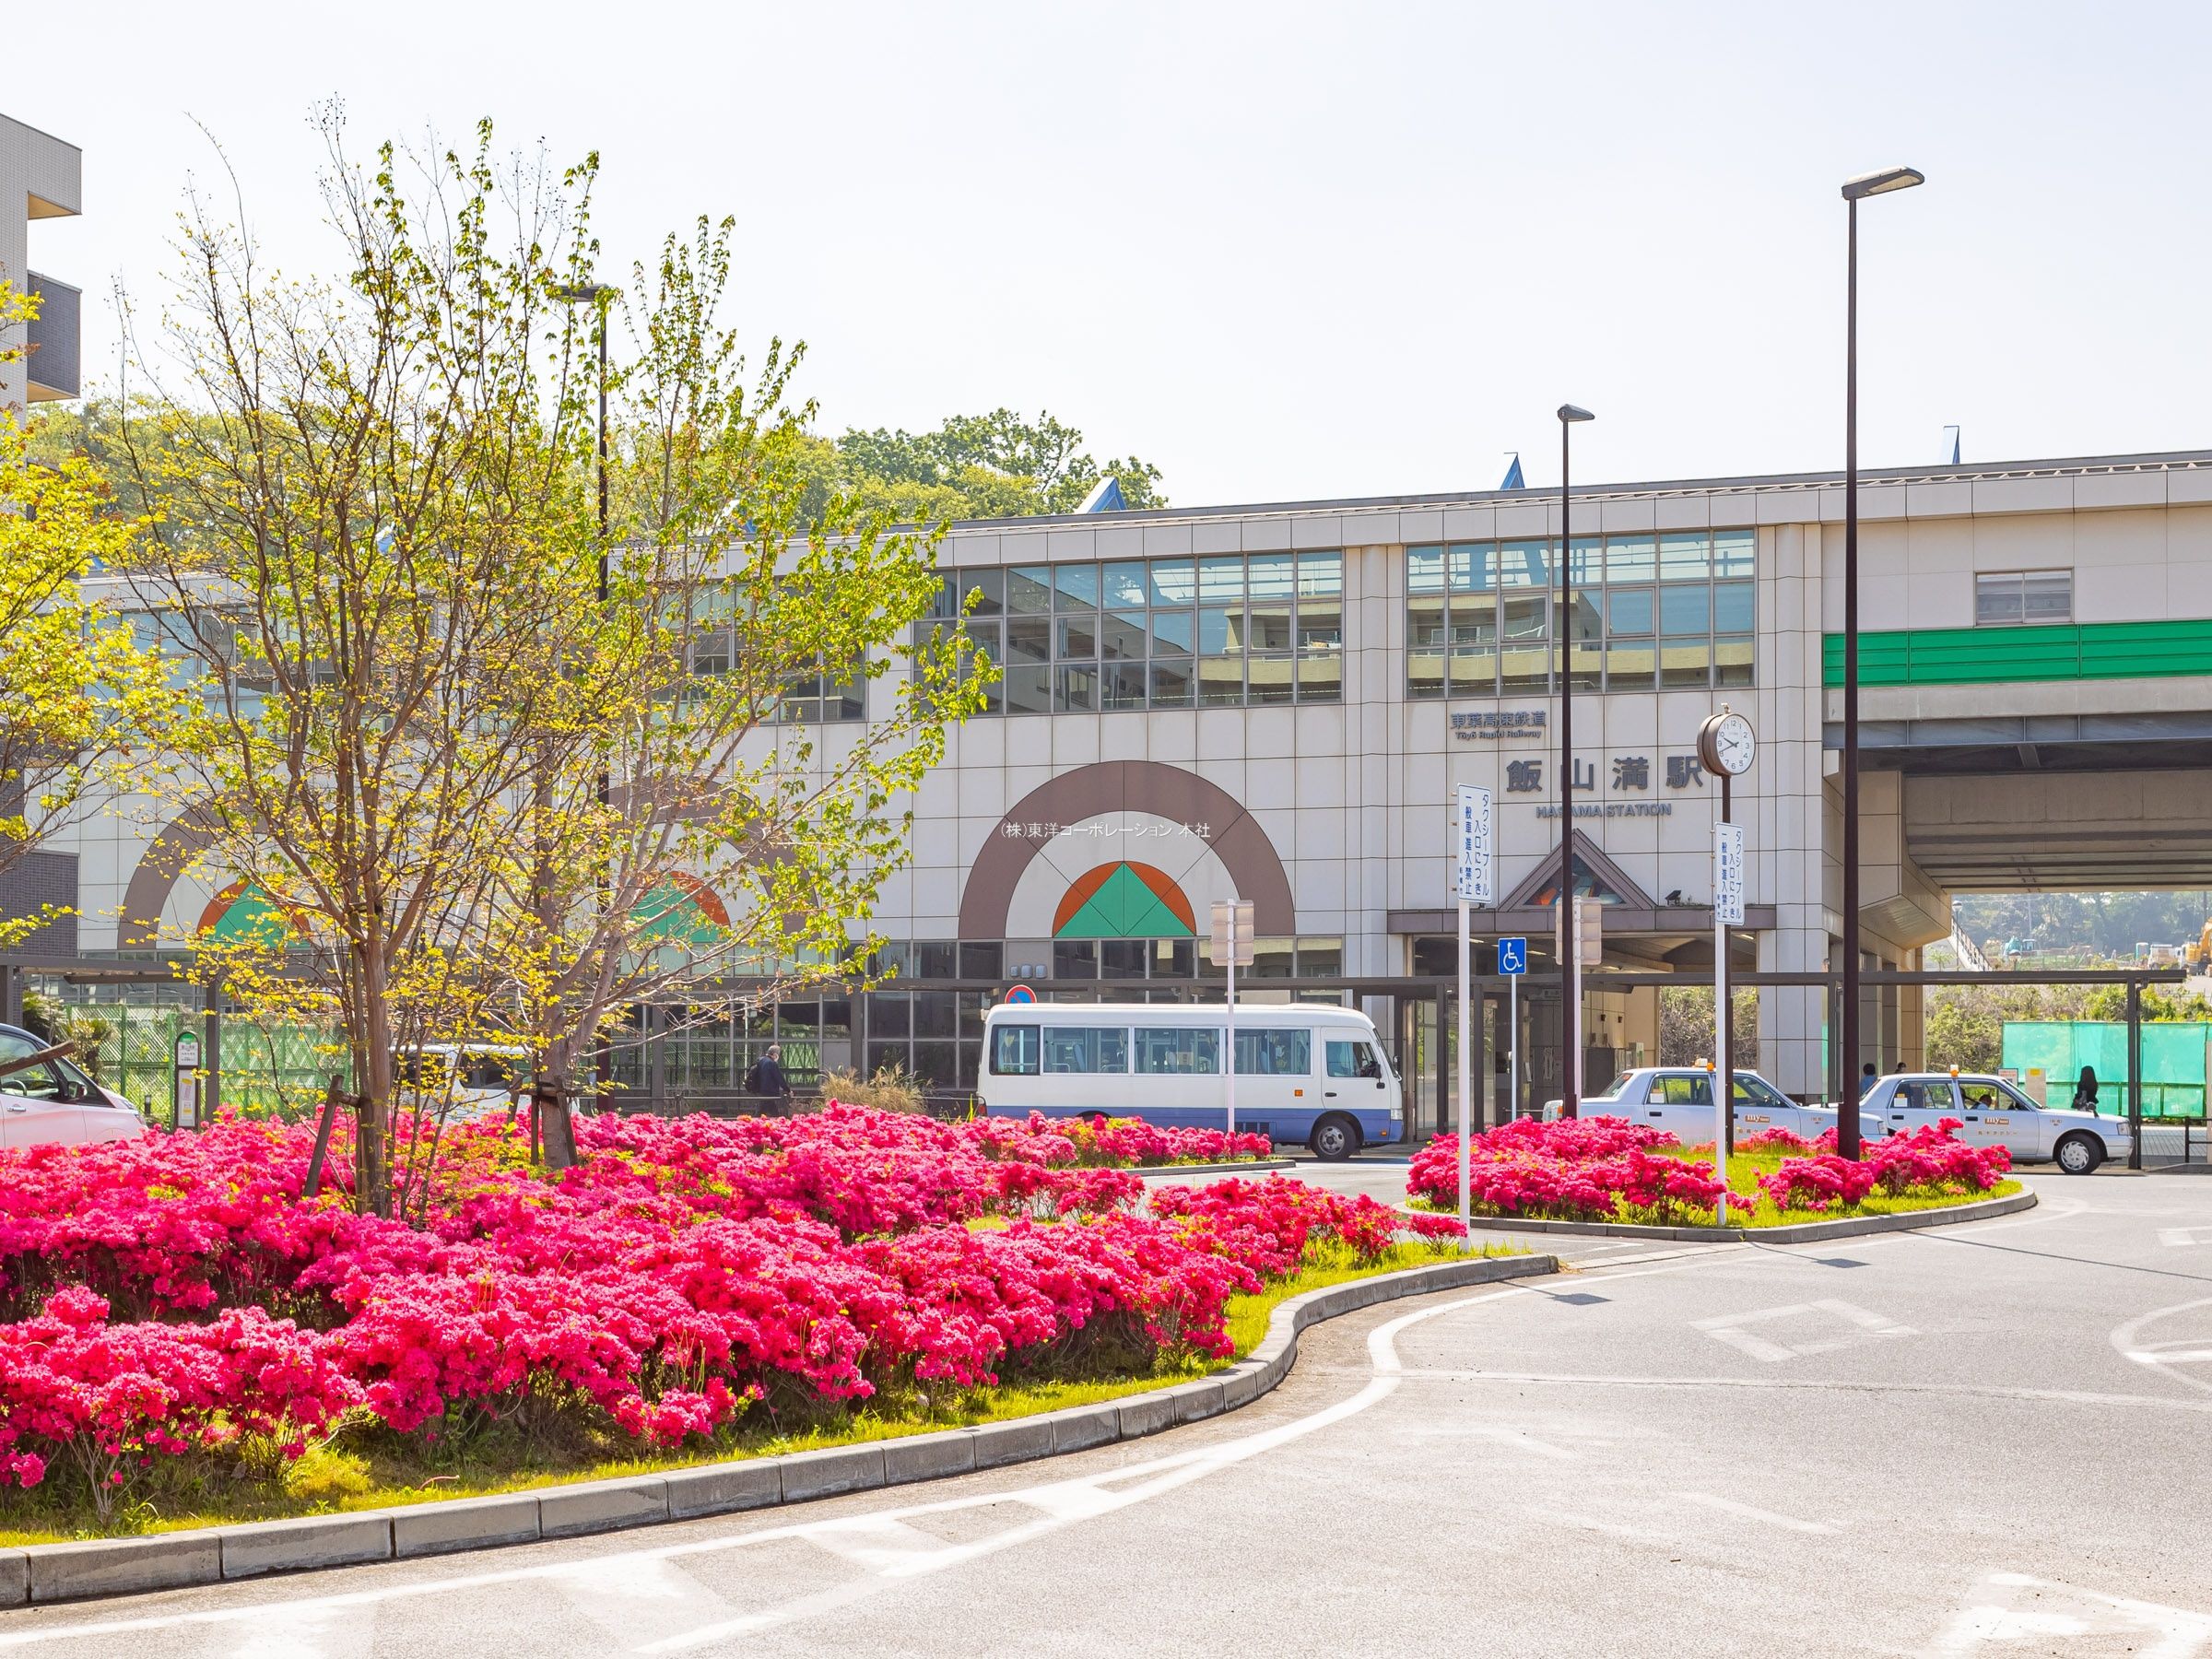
{"type": "Point", "coordinates": [1753, 485]}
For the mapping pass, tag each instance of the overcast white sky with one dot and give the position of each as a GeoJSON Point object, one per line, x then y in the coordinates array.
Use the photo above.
{"type": "Point", "coordinates": [1285, 250]}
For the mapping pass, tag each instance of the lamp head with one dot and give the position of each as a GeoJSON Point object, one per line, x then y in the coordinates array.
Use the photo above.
{"type": "Point", "coordinates": [1568, 413]}
{"type": "Point", "coordinates": [583, 293]}
{"type": "Point", "coordinates": [1883, 182]}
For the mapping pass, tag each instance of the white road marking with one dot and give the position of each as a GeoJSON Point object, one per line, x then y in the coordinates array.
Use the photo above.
{"type": "Point", "coordinates": [2009, 1607]}
{"type": "Point", "coordinates": [1751, 1513]}
{"type": "Point", "coordinates": [2181, 1238]}
{"type": "Point", "coordinates": [1059, 1503]}
{"type": "Point", "coordinates": [1617, 1529]}
{"type": "Point", "coordinates": [1518, 1441]}
{"type": "Point", "coordinates": [2169, 1356]}
{"type": "Point", "coordinates": [1993, 1391]}
{"type": "Point", "coordinates": [1863, 1325]}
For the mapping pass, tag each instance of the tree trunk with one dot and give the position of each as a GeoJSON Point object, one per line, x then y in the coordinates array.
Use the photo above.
{"type": "Point", "coordinates": [372, 1147]}
{"type": "Point", "coordinates": [556, 1124]}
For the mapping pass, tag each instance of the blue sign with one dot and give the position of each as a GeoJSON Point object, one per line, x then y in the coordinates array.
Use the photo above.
{"type": "Point", "coordinates": [1021, 993]}
{"type": "Point", "coordinates": [1513, 956]}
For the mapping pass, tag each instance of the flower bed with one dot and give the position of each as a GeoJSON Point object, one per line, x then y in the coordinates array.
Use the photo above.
{"type": "Point", "coordinates": [173, 1310]}
{"type": "Point", "coordinates": [1609, 1169]}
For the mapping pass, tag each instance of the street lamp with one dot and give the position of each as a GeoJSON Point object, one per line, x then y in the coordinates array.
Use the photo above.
{"type": "Point", "coordinates": [1847, 1103]}
{"type": "Point", "coordinates": [1570, 977]}
{"type": "Point", "coordinates": [596, 295]}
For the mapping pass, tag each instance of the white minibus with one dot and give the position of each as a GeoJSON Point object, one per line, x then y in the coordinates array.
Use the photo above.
{"type": "Point", "coordinates": [1306, 1074]}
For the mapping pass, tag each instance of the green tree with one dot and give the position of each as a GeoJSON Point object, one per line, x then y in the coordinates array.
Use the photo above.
{"type": "Point", "coordinates": [697, 836]}
{"type": "Point", "coordinates": [2160, 1004]}
{"type": "Point", "coordinates": [996, 466]}
{"type": "Point", "coordinates": [371, 544]}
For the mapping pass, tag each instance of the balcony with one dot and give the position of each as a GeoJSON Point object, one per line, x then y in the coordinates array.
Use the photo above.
{"type": "Point", "coordinates": [55, 354]}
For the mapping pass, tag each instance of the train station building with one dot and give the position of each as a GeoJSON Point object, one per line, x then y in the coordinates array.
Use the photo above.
{"type": "Point", "coordinates": [1275, 702]}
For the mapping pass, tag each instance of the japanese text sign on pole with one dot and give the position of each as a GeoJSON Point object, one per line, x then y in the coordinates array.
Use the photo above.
{"type": "Point", "coordinates": [1728, 875]}
{"type": "Point", "coordinates": [1513, 956]}
{"type": "Point", "coordinates": [1232, 932]}
{"type": "Point", "coordinates": [1471, 844]}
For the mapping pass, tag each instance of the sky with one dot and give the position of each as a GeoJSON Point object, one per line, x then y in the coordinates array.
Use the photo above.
{"type": "Point", "coordinates": [1285, 251]}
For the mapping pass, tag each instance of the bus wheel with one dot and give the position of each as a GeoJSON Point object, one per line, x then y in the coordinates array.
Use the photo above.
{"type": "Point", "coordinates": [1336, 1138]}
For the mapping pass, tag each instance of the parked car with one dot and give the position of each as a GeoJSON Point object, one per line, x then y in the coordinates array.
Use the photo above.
{"type": "Point", "coordinates": [1679, 1099]}
{"type": "Point", "coordinates": [460, 1082]}
{"type": "Point", "coordinates": [1990, 1111]}
{"type": "Point", "coordinates": [53, 1102]}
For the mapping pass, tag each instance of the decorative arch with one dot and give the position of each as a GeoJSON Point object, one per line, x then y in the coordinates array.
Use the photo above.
{"type": "Point", "coordinates": [155, 877]}
{"type": "Point", "coordinates": [1138, 786]}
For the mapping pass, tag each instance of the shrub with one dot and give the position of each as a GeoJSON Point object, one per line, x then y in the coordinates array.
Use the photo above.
{"type": "Point", "coordinates": [892, 1088]}
{"type": "Point", "coordinates": [173, 1296]}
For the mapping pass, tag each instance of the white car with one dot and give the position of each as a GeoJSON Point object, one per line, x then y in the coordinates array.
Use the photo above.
{"type": "Point", "coordinates": [1992, 1112]}
{"type": "Point", "coordinates": [1679, 1099]}
{"type": "Point", "coordinates": [51, 1102]}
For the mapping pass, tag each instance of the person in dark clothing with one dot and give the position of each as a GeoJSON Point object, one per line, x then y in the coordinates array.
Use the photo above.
{"type": "Point", "coordinates": [2085, 1091]}
{"type": "Point", "coordinates": [766, 1081]}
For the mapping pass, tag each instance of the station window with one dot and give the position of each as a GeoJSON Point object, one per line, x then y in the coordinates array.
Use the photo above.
{"type": "Point", "coordinates": [1644, 611]}
{"type": "Point", "coordinates": [2013, 598]}
{"type": "Point", "coordinates": [1226, 631]}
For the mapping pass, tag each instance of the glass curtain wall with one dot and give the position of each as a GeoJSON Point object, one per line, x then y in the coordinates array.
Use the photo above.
{"type": "Point", "coordinates": [1647, 611]}
{"type": "Point", "coordinates": [1225, 631]}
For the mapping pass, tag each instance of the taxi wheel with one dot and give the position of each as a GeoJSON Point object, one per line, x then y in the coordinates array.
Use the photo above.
{"type": "Point", "coordinates": [1336, 1138]}
{"type": "Point", "coordinates": [2079, 1154]}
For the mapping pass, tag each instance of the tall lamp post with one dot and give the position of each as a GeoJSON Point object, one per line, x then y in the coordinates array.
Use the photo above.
{"type": "Point", "coordinates": [1570, 967]}
{"type": "Point", "coordinates": [596, 295]}
{"type": "Point", "coordinates": [1847, 1103]}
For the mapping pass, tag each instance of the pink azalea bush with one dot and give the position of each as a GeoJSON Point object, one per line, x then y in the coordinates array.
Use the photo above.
{"type": "Point", "coordinates": [1927, 1162]}
{"type": "Point", "coordinates": [1115, 1142]}
{"type": "Point", "coordinates": [1609, 1169]}
{"type": "Point", "coordinates": [171, 1295]}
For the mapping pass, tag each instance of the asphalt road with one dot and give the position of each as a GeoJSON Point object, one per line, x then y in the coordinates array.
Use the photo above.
{"type": "Point", "coordinates": [1979, 1440]}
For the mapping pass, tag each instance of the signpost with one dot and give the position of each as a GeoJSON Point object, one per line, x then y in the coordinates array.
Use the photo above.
{"type": "Point", "coordinates": [1513, 961]}
{"type": "Point", "coordinates": [1232, 945]}
{"type": "Point", "coordinates": [1471, 842]}
{"type": "Point", "coordinates": [185, 1114]}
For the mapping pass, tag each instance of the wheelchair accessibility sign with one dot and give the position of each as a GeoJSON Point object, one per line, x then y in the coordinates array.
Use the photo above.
{"type": "Point", "coordinates": [1513, 956]}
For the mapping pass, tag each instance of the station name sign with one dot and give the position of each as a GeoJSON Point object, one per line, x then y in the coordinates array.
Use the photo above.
{"type": "Point", "coordinates": [1497, 723]}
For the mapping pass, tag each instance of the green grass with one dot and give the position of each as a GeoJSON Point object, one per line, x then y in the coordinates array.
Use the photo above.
{"type": "Point", "coordinates": [339, 1480]}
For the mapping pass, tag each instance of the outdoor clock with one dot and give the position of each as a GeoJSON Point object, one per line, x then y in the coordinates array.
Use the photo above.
{"type": "Point", "coordinates": [1726, 743]}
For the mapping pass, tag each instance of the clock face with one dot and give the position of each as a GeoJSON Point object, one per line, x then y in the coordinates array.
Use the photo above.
{"type": "Point", "coordinates": [1734, 744]}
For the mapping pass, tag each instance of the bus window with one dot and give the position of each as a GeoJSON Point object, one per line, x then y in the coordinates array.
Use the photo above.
{"type": "Point", "coordinates": [1266, 1053]}
{"type": "Point", "coordinates": [1013, 1051]}
{"type": "Point", "coordinates": [1171, 1051]}
{"type": "Point", "coordinates": [1086, 1049]}
{"type": "Point", "coordinates": [1355, 1058]}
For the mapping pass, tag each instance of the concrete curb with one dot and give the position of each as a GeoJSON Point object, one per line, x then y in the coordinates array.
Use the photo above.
{"type": "Point", "coordinates": [1803, 1233]}
{"type": "Point", "coordinates": [54, 1573]}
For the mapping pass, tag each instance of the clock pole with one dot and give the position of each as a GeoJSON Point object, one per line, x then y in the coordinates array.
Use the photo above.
{"type": "Point", "coordinates": [1725, 746]}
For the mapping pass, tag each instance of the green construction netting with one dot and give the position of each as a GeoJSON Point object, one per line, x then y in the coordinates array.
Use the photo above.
{"type": "Point", "coordinates": [2173, 1061]}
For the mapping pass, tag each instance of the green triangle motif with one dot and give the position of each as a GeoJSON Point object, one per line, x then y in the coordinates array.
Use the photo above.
{"type": "Point", "coordinates": [1124, 908]}
{"type": "Point", "coordinates": [251, 916]}
{"type": "Point", "coordinates": [669, 915]}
